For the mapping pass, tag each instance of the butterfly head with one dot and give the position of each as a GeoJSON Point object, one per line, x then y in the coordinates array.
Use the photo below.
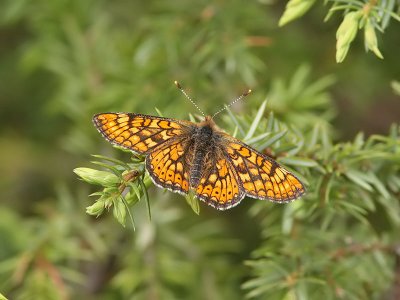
{"type": "Point", "coordinates": [209, 125]}
{"type": "Point", "coordinates": [208, 121]}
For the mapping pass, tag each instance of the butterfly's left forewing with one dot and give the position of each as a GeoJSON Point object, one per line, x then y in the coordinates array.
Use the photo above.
{"type": "Point", "coordinates": [139, 133]}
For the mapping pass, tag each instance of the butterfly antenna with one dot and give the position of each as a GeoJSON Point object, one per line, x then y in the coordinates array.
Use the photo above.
{"type": "Point", "coordinates": [233, 102]}
{"type": "Point", "coordinates": [188, 97]}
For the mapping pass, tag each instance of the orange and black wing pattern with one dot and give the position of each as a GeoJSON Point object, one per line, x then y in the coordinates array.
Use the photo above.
{"type": "Point", "coordinates": [167, 165]}
{"type": "Point", "coordinates": [219, 185]}
{"type": "Point", "coordinates": [139, 133]}
{"type": "Point", "coordinates": [262, 177]}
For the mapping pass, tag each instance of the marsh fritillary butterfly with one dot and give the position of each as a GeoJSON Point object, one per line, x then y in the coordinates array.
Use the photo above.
{"type": "Point", "coordinates": [182, 156]}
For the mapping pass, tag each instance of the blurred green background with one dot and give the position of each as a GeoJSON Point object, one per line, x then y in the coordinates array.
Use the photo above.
{"type": "Point", "coordinates": [62, 61]}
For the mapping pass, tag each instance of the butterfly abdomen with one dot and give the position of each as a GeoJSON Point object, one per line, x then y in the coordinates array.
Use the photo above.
{"type": "Point", "coordinates": [203, 139]}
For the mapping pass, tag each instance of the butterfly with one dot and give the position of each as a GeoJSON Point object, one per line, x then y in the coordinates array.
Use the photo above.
{"type": "Point", "coordinates": [183, 156]}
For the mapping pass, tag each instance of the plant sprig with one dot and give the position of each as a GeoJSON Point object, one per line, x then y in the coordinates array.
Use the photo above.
{"type": "Point", "coordinates": [369, 15]}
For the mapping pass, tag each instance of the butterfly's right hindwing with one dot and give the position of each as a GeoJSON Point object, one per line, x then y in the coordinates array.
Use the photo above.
{"type": "Point", "coordinates": [261, 176]}
{"type": "Point", "coordinates": [219, 186]}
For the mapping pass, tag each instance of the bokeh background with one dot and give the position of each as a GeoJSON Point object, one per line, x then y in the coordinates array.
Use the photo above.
{"type": "Point", "coordinates": [62, 61]}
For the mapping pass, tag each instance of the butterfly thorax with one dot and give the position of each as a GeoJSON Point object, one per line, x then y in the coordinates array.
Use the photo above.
{"type": "Point", "coordinates": [205, 138]}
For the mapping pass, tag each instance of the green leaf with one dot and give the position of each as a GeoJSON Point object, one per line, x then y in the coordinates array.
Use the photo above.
{"type": "Point", "coordinates": [93, 176]}
{"type": "Point", "coordinates": [298, 161]}
{"type": "Point", "coordinates": [97, 208]}
{"type": "Point", "coordinates": [235, 121]}
{"type": "Point", "coordinates": [134, 194]}
{"type": "Point", "coordinates": [119, 211]}
{"type": "Point", "coordinates": [346, 33]}
{"type": "Point", "coordinates": [257, 138]}
{"type": "Point", "coordinates": [2, 297]}
{"type": "Point", "coordinates": [396, 87]}
{"type": "Point", "coordinates": [271, 121]}
{"type": "Point", "coordinates": [129, 213]}
{"type": "Point", "coordinates": [159, 113]}
{"type": "Point", "coordinates": [146, 197]}
{"type": "Point", "coordinates": [379, 185]}
{"type": "Point", "coordinates": [295, 9]}
{"type": "Point", "coordinates": [256, 121]}
{"type": "Point", "coordinates": [193, 202]}
{"type": "Point", "coordinates": [387, 12]}
{"type": "Point", "coordinates": [275, 137]}
{"type": "Point", "coordinates": [358, 178]}
{"type": "Point", "coordinates": [371, 42]}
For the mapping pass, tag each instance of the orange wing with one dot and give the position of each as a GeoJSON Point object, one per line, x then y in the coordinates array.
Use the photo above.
{"type": "Point", "coordinates": [262, 177]}
{"type": "Point", "coordinates": [219, 185]}
{"type": "Point", "coordinates": [139, 133]}
{"type": "Point", "coordinates": [167, 165]}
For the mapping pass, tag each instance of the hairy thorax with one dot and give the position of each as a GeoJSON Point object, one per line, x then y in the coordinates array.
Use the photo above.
{"type": "Point", "coordinates": [204, 141]}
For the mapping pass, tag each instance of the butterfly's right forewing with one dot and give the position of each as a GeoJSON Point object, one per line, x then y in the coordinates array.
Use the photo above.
{"type": "Point", "coordinates": [139, 133]}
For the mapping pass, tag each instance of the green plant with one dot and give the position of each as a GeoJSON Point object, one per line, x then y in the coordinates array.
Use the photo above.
{"type": "Point", "coordinates": [370, 15]}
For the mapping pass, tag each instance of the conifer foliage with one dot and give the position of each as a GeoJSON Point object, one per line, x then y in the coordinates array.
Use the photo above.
{"type": "Point", "coordinates": [113, 235]}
